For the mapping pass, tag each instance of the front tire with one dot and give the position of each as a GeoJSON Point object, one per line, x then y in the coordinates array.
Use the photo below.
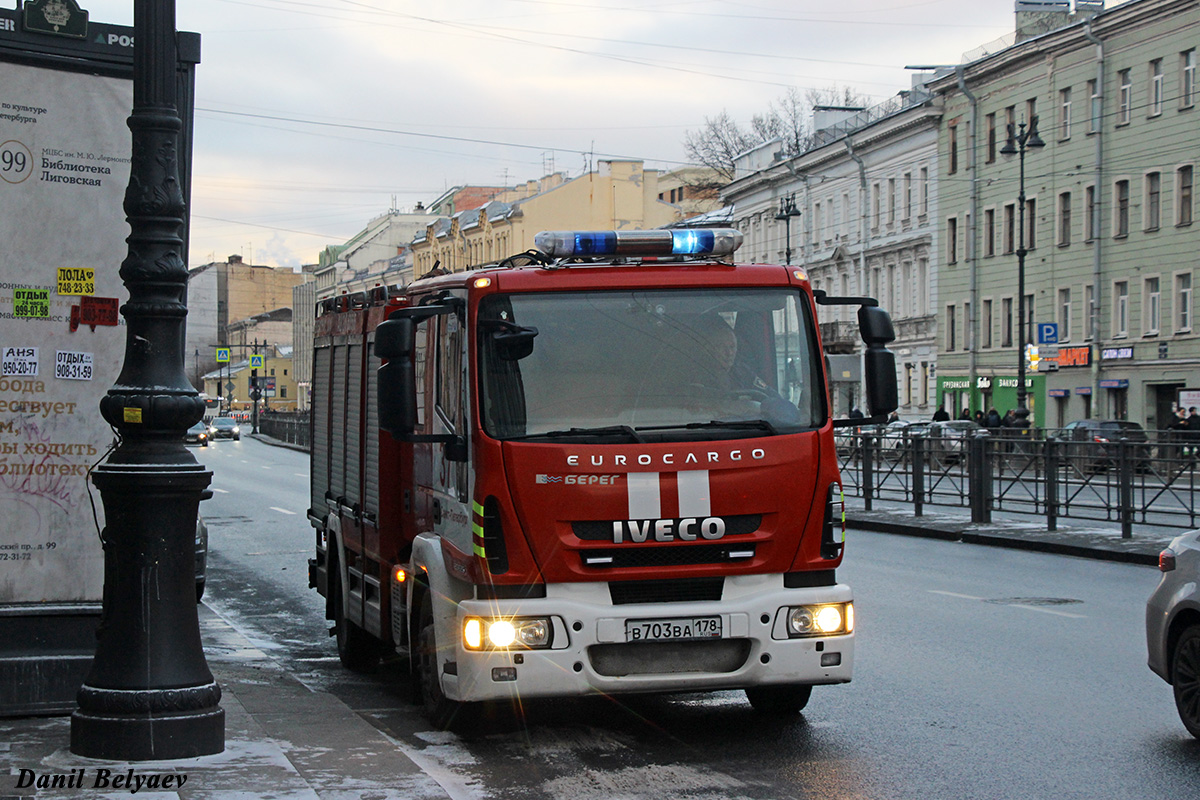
{"type": "Point", "coordinates": [779, 700]}
{"type": "Point", "coordinates": [442, 712]}
{"type": "Point", "coordinates": [1185, 678]}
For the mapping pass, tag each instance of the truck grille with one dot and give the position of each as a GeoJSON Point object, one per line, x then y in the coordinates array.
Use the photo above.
{"type": "Point", "coordinates": [669, 658]}
{"type": "Point", "coordinates": [684, 590]}
{"type": "Point", "coordinates": [677, 556]}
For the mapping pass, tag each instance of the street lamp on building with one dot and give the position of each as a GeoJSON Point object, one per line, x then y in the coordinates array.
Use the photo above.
{"type": "Point", "coordinates": [787, 210]}
{"type": "Point", "coordinates": [1020, 139]}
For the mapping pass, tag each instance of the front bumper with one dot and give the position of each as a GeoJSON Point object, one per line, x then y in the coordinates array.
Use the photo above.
{"type": "Point", "coordinates": [589, 653]}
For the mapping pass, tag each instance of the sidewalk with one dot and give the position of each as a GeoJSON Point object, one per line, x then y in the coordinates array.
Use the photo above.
{"type": "Point", "coordinates": [1024, 533]}
{"type": "Point", "coordinates": [282, 740]}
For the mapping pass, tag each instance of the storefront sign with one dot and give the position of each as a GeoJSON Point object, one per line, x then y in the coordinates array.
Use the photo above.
{"type": "Point", "coordinates": [1075, 356]}
{"type": "Point", "coordinates": [1114, 353]}
{"type": "Point", "coordinates": [1083, 391]}
{"type": "Point", "coordinates": [1114, 383]}
{"type": "Point", "coordinates": [1059, 392]}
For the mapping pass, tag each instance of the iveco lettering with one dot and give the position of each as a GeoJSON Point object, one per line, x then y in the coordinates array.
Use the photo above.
{"type": "Point", "coordinates": [574, 470]}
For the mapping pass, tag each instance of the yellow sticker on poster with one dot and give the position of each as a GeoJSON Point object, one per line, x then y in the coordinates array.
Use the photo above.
{"type": "Point", "coordinates": [76, 280]}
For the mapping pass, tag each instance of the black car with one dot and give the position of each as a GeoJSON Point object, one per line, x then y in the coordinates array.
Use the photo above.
{"type": "Point", "coordinates": [1094, 444]}
{"type": "Point", "coordinates": [225, 428]}
{"type": "Point", "coordinates": [197, 434]}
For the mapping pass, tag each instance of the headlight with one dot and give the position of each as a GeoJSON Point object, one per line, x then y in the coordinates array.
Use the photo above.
{"type": "Point", "coordinates": [824, 620]}
{"type": "Point", "coordinates": [502, 634]}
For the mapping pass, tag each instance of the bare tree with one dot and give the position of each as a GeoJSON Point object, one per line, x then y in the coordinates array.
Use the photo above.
{"type": "Point", "coordinates": [788, 118]}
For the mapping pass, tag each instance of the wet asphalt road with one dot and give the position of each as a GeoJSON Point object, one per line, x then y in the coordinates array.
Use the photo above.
{"type": "Point", "coordinates": [980, 673]}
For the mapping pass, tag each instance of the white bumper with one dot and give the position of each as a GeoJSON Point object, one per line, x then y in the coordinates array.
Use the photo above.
{"type": "Point", "coordinates": [590, 653]}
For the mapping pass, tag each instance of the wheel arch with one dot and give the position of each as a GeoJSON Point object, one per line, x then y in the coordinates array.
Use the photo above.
{"type": "Point", "coordinates": [1183, 620]}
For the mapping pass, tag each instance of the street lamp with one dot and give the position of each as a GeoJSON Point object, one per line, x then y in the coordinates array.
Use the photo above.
{"type": "Point", "coordinates": [787, 210]}
{"type": "Point", "coordinates": [1021, 139]}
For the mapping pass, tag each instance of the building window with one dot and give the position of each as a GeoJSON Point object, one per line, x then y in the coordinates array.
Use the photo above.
{"type": "Point", "coordinates": [924, 190]}
{"type": "Point", "coordinates": [1010, 120]}
{"type": "Point", "coordinates": [875, 206]}
{"type": "Point", "coordinates": [908, 197]}
{"type": "Point", "coordinates": [1030, 223]}
{"type": "Point", "coordinates": [1089, 221]}
{"type": "Point", "coordinates": [1187, 78]}
{"type": "Point", "coordinates": [1183, 203]}
{"type": "Point", "coordinates": [1121, 308]}
{"type": "Point", "coordinates": [1183, 302]}
{"type": "Point", "coordinates": [1010, 231]}
{"type": "Point", "coordinates": [952, 240]}
{"type": "Point", "coordinates": [1030, 111]}
{"type": "Point", "coordinates": [891, 201]}
{"type": "Point", "coordinates": [1064, 219]}
{"type": "Point", "coordinates": [1125, 97]}
{"type": "Point", "coordinates": [1152, 306]}
{"type": "Point", "coordinates": [1156, 87]}
{"type": "Point", "coordinates": [953, 149]}
{"type": "Point", "coordinates": [1064, 113]}
{"type": "Point", "coordinates": [1094, 96]}
{"type": "Point", "coordinates": [846, 216]}
{"type": "Point", "coordinates": [987, 323]}
{"type": "Point", "coordinates": [991, 138]}
{"type": "Point", "coordinates": [922, 307]}
{"type": "Point", "coordinates": [1064, 315]}
{"type": "Point", "coordinates": [1006, 322]}
{"type": "Point", "coordinates": [1121, 209]}
{"type": "Point", "coordinates": [283, 392]}
{"type": "Point", "coordinates": [989, 232]}
{"type": "Point", "coordinates": [1153, 214]}
{"type": "Point", "coordinates": [951, 327]}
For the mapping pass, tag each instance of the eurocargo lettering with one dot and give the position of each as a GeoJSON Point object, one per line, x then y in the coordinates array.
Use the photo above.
{"type": "Point", "coordinates": [576, 469]}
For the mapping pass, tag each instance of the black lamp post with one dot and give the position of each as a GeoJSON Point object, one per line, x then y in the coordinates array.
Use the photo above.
{"type": "Point", "coordinates": [787, 210]}
{"type": "Point", "coordinates": [149, 694]}
{"type": "Point", "coordinates": [1021, 139]}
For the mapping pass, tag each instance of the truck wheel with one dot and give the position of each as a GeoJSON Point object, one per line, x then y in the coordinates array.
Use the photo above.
{"type": "Point", "coordinates": [1185, 678]}
{"type": "Point", "coordinates": [779, 699]}
{"type": "Point", "coordinates": [356, 649]}
{"type": "Point", "coordinates": [441, 711]}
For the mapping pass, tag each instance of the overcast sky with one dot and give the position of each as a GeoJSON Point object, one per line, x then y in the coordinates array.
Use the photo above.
{"type": "Point", "coordinates": [314, 116]}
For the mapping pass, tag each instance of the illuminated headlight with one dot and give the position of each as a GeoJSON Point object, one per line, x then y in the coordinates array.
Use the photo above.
{"type": "Point", "coordinates": [502, 634]}
{"type": "Point", "coordinates": [237, 428]}
{"type": "Point", "coordinates": [825, 620]}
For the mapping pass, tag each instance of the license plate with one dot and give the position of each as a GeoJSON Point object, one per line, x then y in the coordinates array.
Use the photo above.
{"type": "Point", "coordinates": [665, 630]}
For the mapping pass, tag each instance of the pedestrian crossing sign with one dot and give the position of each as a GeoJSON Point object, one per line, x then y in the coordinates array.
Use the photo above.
{"type": "Point", "coordinates": [256, 362]}
{"type": "Point", "coordinates": [222, 355]}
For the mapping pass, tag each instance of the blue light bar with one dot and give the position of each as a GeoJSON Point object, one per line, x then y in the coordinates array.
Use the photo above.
{"type": "Point", "coordinates": [700, 242]}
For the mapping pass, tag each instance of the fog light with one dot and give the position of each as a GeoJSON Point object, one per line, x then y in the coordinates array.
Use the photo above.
{"type": "Point", "coordinates": [504, 673]}
{"type": "Point", "coordinates": [831, 659]}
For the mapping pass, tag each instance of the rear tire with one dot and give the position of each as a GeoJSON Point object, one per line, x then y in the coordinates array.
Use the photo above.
{"type": "Point", "coordinates": [1185, 678]}
{"type": "Point", "coordinates": [357, 650]}
{"type": "Point", "coordinates": [779, 700]}
{"type": "Point", "coordinates": [442, 712]}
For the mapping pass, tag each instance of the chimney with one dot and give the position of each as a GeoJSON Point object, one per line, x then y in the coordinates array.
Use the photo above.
{"type": "Point", "coordinates": [234, 259]}
{"type": "Point", "coordinates": [1035, 17]}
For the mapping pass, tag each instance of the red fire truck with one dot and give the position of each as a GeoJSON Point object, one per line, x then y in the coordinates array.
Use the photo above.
{"type": "Point", "coordinates": [603, 466]}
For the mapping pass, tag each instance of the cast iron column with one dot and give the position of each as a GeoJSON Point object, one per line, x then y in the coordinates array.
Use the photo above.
{"type": "Point", "coordinates": [150, 695]}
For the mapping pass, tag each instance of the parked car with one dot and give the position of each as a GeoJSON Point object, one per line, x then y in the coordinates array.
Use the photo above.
{"type": "Point", "coordinates": [895, 439]}
{"type": "Point", "coordinates": [1173, 626]}
{"type": "Point", "coordinates": [225, 428]}
{"type": "Point", "coordinates": [1094, 444]}
{"type": "Point", "coordinates": [950, 437]}
{"type": "Point", "coordinates": [197, 434]}
{"type": "Point", "coordinates": [201, 556]}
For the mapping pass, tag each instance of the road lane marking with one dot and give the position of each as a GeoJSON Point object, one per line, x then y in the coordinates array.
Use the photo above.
{"type": "Point", "coordinates": [222, 491]}
{"type": "Point", "coordinates": [1047, 611]}
{"type": "Point", "coordinates": [283, 511]}
{"type": "Point", "coordinates": [300, 474]}
{"type": "Point", "coordinates": [954, 594]}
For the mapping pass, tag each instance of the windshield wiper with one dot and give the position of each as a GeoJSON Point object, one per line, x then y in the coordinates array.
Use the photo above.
{"type": "Point", "coordinates": [738, 424]}
{"type": "Point", "coordinates": [610, 430]}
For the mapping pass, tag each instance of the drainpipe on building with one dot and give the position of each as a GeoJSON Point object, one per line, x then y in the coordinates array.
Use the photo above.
{"type": "Point", "coordinates": [864, 234]}
{"type": "Point", "coordinates": [1097, 218]}
{"type": "Point", "coordinates": [972, 234]}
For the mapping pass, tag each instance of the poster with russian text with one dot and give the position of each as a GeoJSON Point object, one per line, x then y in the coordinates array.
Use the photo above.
{"type": "Point", "coordinates": [64, 165]}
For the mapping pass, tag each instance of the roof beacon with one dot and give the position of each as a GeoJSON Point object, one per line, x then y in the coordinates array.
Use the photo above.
{"type": "Point", "coordinates": [699, 242]}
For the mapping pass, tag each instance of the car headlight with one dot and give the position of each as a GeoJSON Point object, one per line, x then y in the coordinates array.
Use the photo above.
{"type": "Point", "coordinates": [503, 634]}
{"type": "Point", "coordinates": [824, 620]}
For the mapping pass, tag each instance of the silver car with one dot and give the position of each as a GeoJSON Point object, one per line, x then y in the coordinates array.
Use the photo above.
{"type": "Point", "coordinates": [1173, 626]}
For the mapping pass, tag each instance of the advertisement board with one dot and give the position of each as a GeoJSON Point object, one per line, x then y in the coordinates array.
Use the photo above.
{"type": "Point", "coordinates": [64, 168]}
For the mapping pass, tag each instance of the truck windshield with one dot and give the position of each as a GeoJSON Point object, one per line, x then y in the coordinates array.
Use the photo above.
{"type": "Point", "coordinates": [625, 366]}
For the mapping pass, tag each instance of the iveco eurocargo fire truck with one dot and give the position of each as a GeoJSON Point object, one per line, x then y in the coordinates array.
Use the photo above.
{"type": "Point", "coordinates": [606, 465]}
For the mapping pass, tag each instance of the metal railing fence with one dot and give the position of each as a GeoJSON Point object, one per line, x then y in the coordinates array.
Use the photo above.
{"type": "Point", "coordinates": [293, 428]}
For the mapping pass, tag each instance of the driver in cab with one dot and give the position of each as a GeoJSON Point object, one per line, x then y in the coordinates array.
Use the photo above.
{"type": "Point", "coordinates": [747, 393]}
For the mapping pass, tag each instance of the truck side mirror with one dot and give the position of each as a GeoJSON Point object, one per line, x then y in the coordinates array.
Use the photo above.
{"type": "Point", "coordinates": [397, 393]}
{"type": "Point", "coordinates": [394, 338]}
{"type": "Point", "coordinates": [883, 396]}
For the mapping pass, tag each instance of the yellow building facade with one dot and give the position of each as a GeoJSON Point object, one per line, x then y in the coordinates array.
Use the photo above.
{"type": "Point", "coordinates": [618, 195]}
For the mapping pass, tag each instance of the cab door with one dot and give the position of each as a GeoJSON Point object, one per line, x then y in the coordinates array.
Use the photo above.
{"type": "Point", "coordinates": [449, 489]}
